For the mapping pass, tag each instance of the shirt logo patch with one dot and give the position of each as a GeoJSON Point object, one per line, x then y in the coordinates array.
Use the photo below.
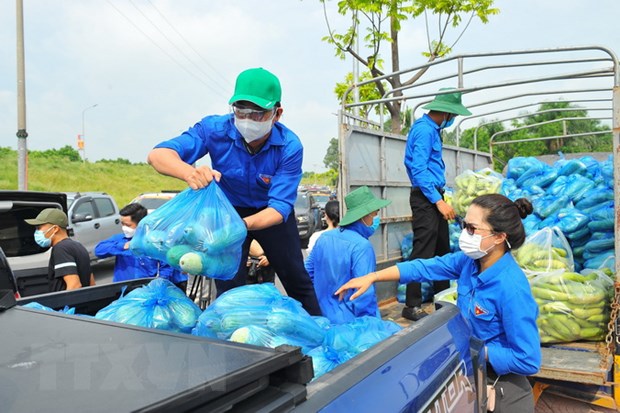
{"type": "Point", "coordinates": [478, 310]}
{"type": "Point", "coordinates": [265, 178]}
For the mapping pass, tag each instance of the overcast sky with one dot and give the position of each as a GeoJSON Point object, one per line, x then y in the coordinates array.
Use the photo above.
{"type": "Point", "coordinates": [156, 67]}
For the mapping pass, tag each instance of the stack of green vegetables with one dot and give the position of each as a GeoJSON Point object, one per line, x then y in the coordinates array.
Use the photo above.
{"type": "Point", "coordinates": [470, 185]}
{"type": "Point", "coordinates": [572, 306]}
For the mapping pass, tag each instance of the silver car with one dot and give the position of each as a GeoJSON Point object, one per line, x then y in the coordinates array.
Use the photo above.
{"type": "Point", "coordinates": [93, 217]}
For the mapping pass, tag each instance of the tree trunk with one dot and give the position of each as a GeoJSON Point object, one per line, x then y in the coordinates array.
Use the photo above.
{"type": "Point", "coordinates": [395, 107]}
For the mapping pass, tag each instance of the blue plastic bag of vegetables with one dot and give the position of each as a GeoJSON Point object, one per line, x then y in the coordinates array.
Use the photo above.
{"type": "Point", "coordinates": [520, 165]}
{"type": "Point", "coordinates": [259, 305]}
{"type": "Point", "coordinates": [37, 306]}
{"type": "Point", "coordinates": [158, 304]}
{"type": "Point", "coordinates": [198, 232]}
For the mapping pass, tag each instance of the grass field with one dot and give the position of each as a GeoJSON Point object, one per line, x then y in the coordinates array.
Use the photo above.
{"type": "Point", "coordinates": [123, 181]}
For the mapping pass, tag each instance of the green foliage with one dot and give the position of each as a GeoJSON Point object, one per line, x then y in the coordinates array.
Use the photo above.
{"type": "Point", "coordinates": [406, 121]}
{"type": "Point", "coordinates": [378, 22]}
{"type": "Point", "coordinates": [367, 92]}
{"type": "Point", "coordinates": [328, 178]}
{"type": "Point", "coordinates": [548, 121]}
{"type": "Point", "coordinates": [67, 152]}
{"type": "Point", "coordinates": [331, 159]}
{"type": "Point", "coordinates": [52, 171]}
{"type": "Point", "coordinates": [119, 161]}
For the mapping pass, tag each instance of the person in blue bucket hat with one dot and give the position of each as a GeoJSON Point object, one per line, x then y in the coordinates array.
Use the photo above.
{"type": "Point", "coordinates": [345, 253]}
{"type": "Point", "coordinates": [426, 170]}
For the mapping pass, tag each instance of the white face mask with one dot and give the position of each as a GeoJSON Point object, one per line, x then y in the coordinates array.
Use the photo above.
{"type": "Point", "coordinates": [470, 245]}
{"type": "Point", "coordinates": [128, 231]}
{"type": "Point", "coordinates": [252, 130]}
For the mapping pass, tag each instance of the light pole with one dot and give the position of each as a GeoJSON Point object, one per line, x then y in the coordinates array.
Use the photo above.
{"type": "Point", "coordinates": [83, 112]}
{"type": "Point", "coordinates": [22, 135]}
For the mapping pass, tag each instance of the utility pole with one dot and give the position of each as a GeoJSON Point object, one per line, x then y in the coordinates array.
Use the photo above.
{"type": "Point", "coordinates": [22, 135]}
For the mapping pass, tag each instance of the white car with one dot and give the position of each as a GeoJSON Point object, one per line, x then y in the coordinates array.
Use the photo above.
{"type": "Point", "coordinates": [153, 200]}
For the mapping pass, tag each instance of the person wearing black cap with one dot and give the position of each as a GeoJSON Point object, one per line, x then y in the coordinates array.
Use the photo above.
{"type": "Point", "coordinates": [69, 265]}
{"type": "Point", "coordinates": [256, 161]}
{"type": "Point", "coordinates": [426, 170]}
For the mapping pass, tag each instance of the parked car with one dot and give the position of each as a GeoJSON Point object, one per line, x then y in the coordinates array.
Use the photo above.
{"type": "Point", "coordinates": [93, 217]}
{"type": "Point", "coordinates": [322, 198]}
{"type": "Point", "coordinates": [307, 212]}
{"type": "Point", "coordinates": [153, 200]}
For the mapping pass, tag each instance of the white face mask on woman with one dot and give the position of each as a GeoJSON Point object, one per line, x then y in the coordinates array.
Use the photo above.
{"type": "Point", "coordinates": [252, 130]}
{"type": "Point", "coordinates": [470, 245]}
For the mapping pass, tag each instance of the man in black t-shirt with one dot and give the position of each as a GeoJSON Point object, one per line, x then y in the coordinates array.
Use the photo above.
{"type": "Point", "coordinates": [69, 265]}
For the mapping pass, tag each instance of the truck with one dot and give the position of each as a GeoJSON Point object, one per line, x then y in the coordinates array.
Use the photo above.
{"type": "Point", "coordinates": [92, 217]}
{"type": "Point", "coordinates": [55, 361]}
{"type": "Point", "coordinates": [497, 87]}
{"type": "Point", "coordinates": [59, 362]}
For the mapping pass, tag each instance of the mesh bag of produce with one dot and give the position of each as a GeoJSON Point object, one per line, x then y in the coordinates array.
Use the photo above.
{"type": "Point", "coordinates": [572, 306]}
{"type": "Point", "coordinates": [470, 185]}
{"type": "Point", "coordinates": [545, 251]}
{"type": "Point", "coordinates": [198, 232]}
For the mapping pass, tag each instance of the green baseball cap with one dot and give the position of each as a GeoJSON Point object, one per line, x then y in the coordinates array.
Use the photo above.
{"type": "Point", "coordinates": [360, 203]}
{"type": "Point", "coordinates": [52, 216]}
{"type": "Point", "coordinates": [449, 103]}
{"type": "Point", "coordinates": [258, 86]}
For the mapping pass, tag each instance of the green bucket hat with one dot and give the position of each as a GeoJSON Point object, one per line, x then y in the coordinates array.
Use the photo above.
{"type": "Point", "coordinates": [52, 216]}
{"type": "Point", "coordinates": [258, 86]}
{"type": "Point", "coordinates": [360, 203]}
{"type": "Point", "coordinates": [449, 103]}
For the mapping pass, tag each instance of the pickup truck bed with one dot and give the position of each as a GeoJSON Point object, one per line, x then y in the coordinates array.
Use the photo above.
{"type": "Point", "coordinates": [59, 362]}
{"type": "Point", "coordinates": [579, 362]}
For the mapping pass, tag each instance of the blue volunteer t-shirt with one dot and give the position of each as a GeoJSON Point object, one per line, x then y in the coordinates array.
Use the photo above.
{"type": "Point", "coordinates": [423, 160]}
{"type": "Point", "coordinates": [497, 302]}
{"type": "Point", "coordinates": [268, 178]}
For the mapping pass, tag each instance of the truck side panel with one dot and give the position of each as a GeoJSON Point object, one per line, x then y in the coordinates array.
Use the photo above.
{"type": "Point", "coordinates": [426, 366]}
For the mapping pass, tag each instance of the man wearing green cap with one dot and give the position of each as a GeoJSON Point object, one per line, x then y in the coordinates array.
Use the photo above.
{"type": "Point", "coordinates": [426, 170]}
{"type": "Point", "coordinates": [257, 162]}
{"type": "Point", "coordinates": [345, 253]}
{"type": "Point", "coordinates": [69, 265]}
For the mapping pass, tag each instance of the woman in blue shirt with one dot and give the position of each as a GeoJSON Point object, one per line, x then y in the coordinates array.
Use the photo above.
{"type": "Point", "coordinates": [493, 293]}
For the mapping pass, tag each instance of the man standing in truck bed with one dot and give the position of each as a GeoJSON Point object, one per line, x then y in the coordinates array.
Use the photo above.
{"type": "Point", "coordinates": [426, 170]}
{"type": "Point", "coordinates": [69, 265]}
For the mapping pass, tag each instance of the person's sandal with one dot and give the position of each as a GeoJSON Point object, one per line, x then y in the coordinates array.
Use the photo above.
{"type": "Point", "coordinates": [414, 313]}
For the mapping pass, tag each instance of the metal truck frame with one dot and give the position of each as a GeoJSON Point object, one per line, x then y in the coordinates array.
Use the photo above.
{"type": "Point", "coordinates": [493, 84]}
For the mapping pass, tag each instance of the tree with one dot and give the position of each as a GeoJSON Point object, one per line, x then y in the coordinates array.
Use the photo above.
{"type": "Point", "coordinates": [384, 19]}
{"type": "Point", "coordinates": [366, 92]}
{"type": "Point", "coordinates": [547, 112]}
{"type": "Point", "coordinates": [66, 151]}
{"type": "Point", "coordinates": [332, 159]}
